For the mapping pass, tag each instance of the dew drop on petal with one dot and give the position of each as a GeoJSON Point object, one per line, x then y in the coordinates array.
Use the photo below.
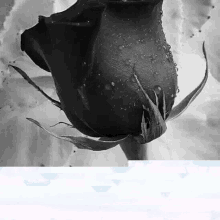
{"type": "Point", "coordinates": [152, 58]}
{"type": "Point", "coordinates": [159, 47]}
{"type": "Point", "coordinates": [128, 62]}
{"type": "Point", "coordinates": [108, 87]}
{"type": "Point", "coordinates": [133, 79]}
{"type": "Point", "coordinates": [121, 47]}
{"type": "Point", "coordinates": [157, 89]}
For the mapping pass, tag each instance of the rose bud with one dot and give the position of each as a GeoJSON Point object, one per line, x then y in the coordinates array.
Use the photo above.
{"type": "Point", "coordinates": [113, 70]}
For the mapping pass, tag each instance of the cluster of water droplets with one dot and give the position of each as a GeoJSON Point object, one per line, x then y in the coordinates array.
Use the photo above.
{"type": "Point", "coordinates": [153, 58]}
{"type": "Point", "coordinates": [168, 53]}
{"type": "Point", "coordinates": [157, 89]}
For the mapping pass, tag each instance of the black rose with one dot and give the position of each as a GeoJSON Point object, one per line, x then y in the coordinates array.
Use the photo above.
{"type": "Point", "coordinates": [112, 67]}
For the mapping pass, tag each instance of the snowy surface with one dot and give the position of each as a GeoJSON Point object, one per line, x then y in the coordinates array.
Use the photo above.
{"type": "Point", "coordinates": [94, 193]}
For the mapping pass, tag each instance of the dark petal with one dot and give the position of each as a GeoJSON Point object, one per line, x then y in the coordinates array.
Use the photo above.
{"type": "Point", "coordinates": [78, 123]}
{"type": "Point", "coordinates": [35, 42]}
{"type": "Point", "coordinates": [184, 104]}
{"type": "Point", "coordinates": [63, 48]}
{"type": "Point", "coordinates": [115, 109]}
{"type": "Point", "coordinates": [72, 47]}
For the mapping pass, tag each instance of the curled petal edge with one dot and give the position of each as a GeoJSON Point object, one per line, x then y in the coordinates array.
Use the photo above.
{"type": "Point", "coordinates": [85, 142]}
{"type": "Point", "coordinates": [184, 104]}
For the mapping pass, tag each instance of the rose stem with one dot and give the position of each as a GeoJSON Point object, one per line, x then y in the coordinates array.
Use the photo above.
{"type": "Point", "coordinates": [133, 150]}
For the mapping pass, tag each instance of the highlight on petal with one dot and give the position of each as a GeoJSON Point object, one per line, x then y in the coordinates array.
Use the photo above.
{"type": "Point", "coordinates": [184, 104]}
{"type": "Point", "coordinates": [84, 142]}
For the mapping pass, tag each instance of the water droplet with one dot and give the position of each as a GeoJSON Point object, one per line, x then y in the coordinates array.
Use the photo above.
{"type": "Point", "coordinates": [142, 40]}
{"type": "Point", "coordinates": [128, 62]}
{"type": "Point", "coordinates": [159, 47]}
{"type": "Point", "coordinates": [169, 57]}
{"type": "Point", "coordinates": [108, 87]}
{"type": "Point", "coordinates": [157, 89]}
{"type": "Point", "coordinates": [133, 79]}
{"type": "Point", "coordinates": [155, 73]}
{"type": "Point", "coordinates": [121, 47]}
{"type": "Point", "coordinates": [153, 58]}
{"type": "Point", "coordinates": [113, 84]}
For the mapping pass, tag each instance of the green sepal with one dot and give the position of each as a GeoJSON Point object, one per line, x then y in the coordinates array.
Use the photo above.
{"type": "Point", "coordinates": [85, 142]}
{"type": "Point", "coordinates": [184, 104]}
